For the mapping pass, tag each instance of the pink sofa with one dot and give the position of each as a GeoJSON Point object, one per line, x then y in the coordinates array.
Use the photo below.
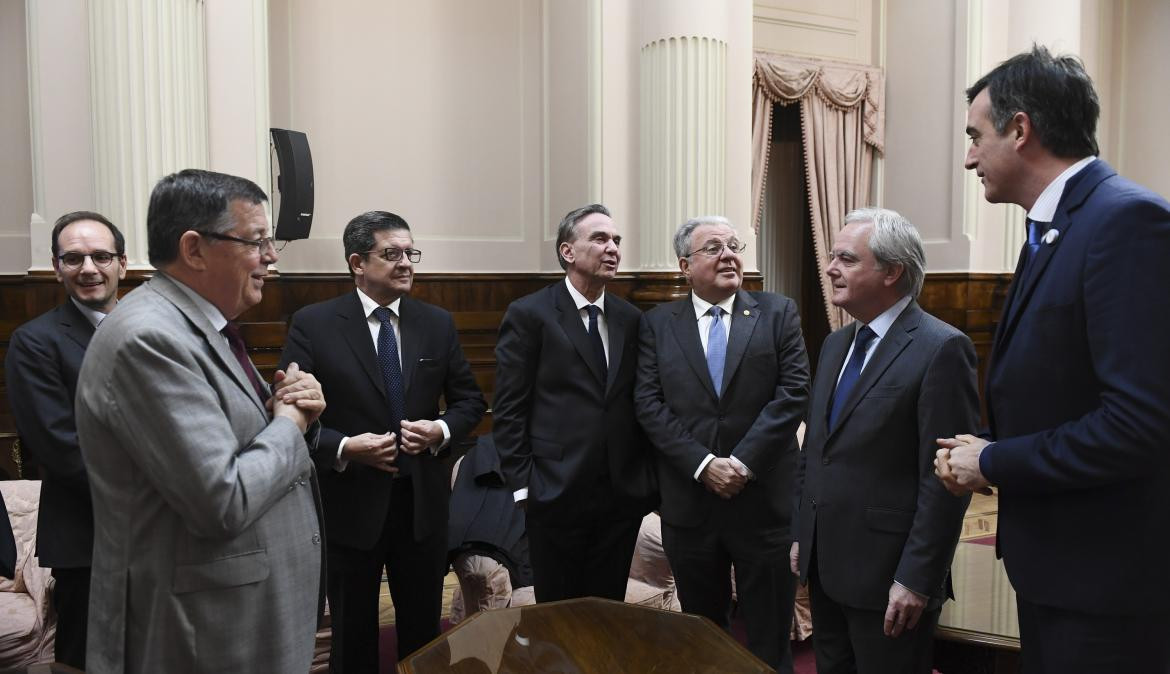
{"type": "Point", "coordinates": [27, 622]}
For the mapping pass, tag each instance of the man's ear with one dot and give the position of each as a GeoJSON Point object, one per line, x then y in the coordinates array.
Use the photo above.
{"type": "Point", "coordinates": [894, 272]}
{"type": "Point", "coordinates": [355, 264]}
{"type": "Point", "coordinates": [566, 250]}
{"type": "Point", "coordinates": [1020, 126]}
{"type": "Point", "coordinates": [191, 250]}
{"type": "Point", "coordinates": [57, 270]}
{"type": "Point", "coordinates": [684, 265]}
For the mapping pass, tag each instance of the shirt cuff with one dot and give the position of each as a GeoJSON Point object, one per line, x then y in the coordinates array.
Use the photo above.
{"type": "Point", "coordinates": [750, 474]}
{"type": "Point", "coordinates": [520, 494]}
{"type": "Point", "coordinates": [339, 463]}
{"type": "Point", "coordinates": [446, 437]}
{"type": "Point", "coordinates": [706, 460]}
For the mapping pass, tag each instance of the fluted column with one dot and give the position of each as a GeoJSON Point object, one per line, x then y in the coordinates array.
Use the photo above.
{"type": "Point", "coordinates": [687, 86]}
{"type": "Point", "coordinates": [683, 138]}
{"type": "Point", "coordinates": [149, 92]}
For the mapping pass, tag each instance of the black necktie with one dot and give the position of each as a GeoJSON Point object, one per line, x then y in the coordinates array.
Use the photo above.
{"type": "Point", "coordinates": [595, 340]}
{"type": "Point", "coordinates": [240, 351]}
{"type": "Point", "coordinates": [392, 378]}
{"type": "Point", "coordinates": [851, 374]}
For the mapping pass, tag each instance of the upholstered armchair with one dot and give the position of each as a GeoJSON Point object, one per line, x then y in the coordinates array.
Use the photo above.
{"type": "Point", "coordinates": [27, 623]}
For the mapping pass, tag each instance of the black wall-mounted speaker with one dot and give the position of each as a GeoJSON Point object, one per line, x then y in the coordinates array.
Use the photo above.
{"type": "Point", "coordinates": [294, 182]}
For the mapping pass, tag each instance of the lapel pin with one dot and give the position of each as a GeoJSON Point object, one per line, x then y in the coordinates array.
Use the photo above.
{"type": "Point", "coordinates": [1050, 236]}
{"type": "Point", "coordinates": [746, 312]}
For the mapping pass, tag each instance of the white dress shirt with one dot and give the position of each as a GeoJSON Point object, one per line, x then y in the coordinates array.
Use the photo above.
{"type": "Point", "coordinates": [1044, 210]}
{"type": "Point", "coordinates": [880, 326]}
{"type": "Point", "coordinates": [375, 325]}
{"type": "Point", "coordinates": [704, 319]}
{"type": "Point", "coordinates": [94, 316]}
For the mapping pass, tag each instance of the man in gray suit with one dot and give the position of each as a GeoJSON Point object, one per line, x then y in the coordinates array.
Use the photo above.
{"type": "Point", "coordinates": [207, 545]}
{"type": "Point", "coordinates": [874, 531]}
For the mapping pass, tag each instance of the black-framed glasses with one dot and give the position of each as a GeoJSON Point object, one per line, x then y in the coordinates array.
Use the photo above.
{"type": "Point", "coordinates": [266, 244]}
{"type": "Point", "coordinates": [715, 248]}
{"type": "Point", "coordinates": [395, 254]}
{"type": "Point", "coordinates": [101, 259]}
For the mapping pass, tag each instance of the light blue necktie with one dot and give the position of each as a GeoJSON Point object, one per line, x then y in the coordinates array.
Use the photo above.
{"type": "Point", "coordinates": [716, 348]}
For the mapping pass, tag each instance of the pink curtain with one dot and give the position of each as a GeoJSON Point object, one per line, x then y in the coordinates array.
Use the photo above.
{"type": "Point", "coordinates": [842, 117]}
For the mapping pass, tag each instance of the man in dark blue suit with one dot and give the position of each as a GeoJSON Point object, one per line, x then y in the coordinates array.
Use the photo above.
{"type": "Point", "coordinates": [722, 388]}
{"type": "Point", "coordinates": [1078, 387]}
{"type": "Point", "coordinates": [386, 361]}
{"type": "Point", "coordinates": [44, 358]}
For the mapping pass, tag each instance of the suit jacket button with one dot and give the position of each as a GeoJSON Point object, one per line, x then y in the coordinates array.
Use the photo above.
{"type": "Point", "coordinates": [316, 539]}
{"type": "Point", "coordinates": [825, 461]}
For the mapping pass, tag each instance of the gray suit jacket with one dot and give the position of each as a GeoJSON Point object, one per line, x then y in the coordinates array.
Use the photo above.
{"type": "Point", "coordinates": [867, 486]}
{"type": "Point", "coordinates": [207, 545]}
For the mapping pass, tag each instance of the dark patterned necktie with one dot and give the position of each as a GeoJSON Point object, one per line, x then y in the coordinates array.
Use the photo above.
{"type": "Point", "coordinates": [851, 374]}
{"type": "Point", "coordinates": [392, 378]}
{"type": "Point", "coordinates": [240, 351]}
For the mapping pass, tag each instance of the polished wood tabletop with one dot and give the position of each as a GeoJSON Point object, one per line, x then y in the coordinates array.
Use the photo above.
{"type": "Point", "coordinates": [984, 609]}
{"type": "Point", "coordinates": [583, 636]}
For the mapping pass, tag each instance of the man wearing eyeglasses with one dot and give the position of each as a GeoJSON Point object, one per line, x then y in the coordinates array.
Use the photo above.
{"type": "Point", "coordinates": [722, 389]}
{"type": "Point", "coordinates": [563, 417]}
{"type": "Point", "coordinates": [207, 542]}
{"type": "Point", "coordinates": [384, 360]}
{"type": "Point", "coordinates": [44, 358]}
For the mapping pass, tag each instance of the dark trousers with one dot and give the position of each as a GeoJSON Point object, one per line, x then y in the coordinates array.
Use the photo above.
{"type": "Point", "coordinates": [587, 557]}
{"type": "Point", "coordinates": [415, 571]}
{"type": "Point", "coordinates": [701, 559]}
{"type": "Point", "coordinates": [1059, 640]}
{"type": "Point", "coordinates": [849, 640]}
{"type": "Point", "coordinates": [71, 603]}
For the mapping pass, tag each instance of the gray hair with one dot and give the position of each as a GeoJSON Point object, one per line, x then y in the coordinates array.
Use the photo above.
{"type": "Point", "coordinates": [894, 241]}
{"type": "Point", "coordinates": [567, 230]}
{"type": "Point", "coordinates": [682, 236]}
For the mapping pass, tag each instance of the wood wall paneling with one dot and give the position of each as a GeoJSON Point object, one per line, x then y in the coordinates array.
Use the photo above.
{"type": "Point", "coordinates": [970, 302]}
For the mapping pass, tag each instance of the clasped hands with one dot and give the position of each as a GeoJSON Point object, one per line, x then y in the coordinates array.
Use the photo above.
{"type": "Point", "coordinates": [724, 477]}
{"type": "Point", "coordinates": [296, 395]}
{"type": "Point", "coordinates": [380, 450]}
{"type": "Point", "coordinates": [956, 463]}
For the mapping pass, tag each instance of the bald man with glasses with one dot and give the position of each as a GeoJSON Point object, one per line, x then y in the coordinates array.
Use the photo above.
{"type": "Point", "coordinates": [44, 358]}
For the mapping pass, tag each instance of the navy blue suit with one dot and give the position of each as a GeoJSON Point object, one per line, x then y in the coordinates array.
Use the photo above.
{"type": "Point", "coordinates": [42, 365]}
{"type": "Point", "coordinates": [1078, 398]}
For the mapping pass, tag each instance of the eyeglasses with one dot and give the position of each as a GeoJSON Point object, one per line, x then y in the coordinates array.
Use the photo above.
{"type": "Point", "coordinates": [395, 254]}
{"type": "Point", "coordinates": [101, 259]}
{"type": "Point", "coordinates": [264, 245]}
{"type": "Point", "coordinates": [715, 248]}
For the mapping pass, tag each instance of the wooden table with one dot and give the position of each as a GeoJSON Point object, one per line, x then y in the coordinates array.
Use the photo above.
{"type": "Point", "coordinates": [979, 631]}
{"type": "Point", "coordinates": [585, 636]}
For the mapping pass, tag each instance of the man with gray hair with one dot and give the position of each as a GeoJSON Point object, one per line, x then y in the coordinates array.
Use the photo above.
{"type": "Point", "coordinates": [886, 387]}
{"type": "Point", "coordinates": [722, 389]}
{"type": "Point", "coordinates": [563, 417]}
{"type": "Point", "coordinates": [207, 538]}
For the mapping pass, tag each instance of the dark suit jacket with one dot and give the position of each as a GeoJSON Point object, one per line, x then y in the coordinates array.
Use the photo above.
{"type": "Point", "coordinates": [485, 519]}
{"type": "Point", "coordinates": [868, 491]}
{"type": "Point", "coordinates": [557, 426]}
{"type": "Point", "coordinates": [1078, 396]}
{"type": "Point", "coordinates": [44, 357]}
{"type": "Point", "coordinates": [332, 340]}
{"type": "Point", "coordinates": [764, 397]}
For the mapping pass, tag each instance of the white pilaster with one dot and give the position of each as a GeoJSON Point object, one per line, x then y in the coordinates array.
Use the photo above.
{"type": "Point", "coordinates": [683, 139]}
{"type": "Point", "coordinates": [149, 99]}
